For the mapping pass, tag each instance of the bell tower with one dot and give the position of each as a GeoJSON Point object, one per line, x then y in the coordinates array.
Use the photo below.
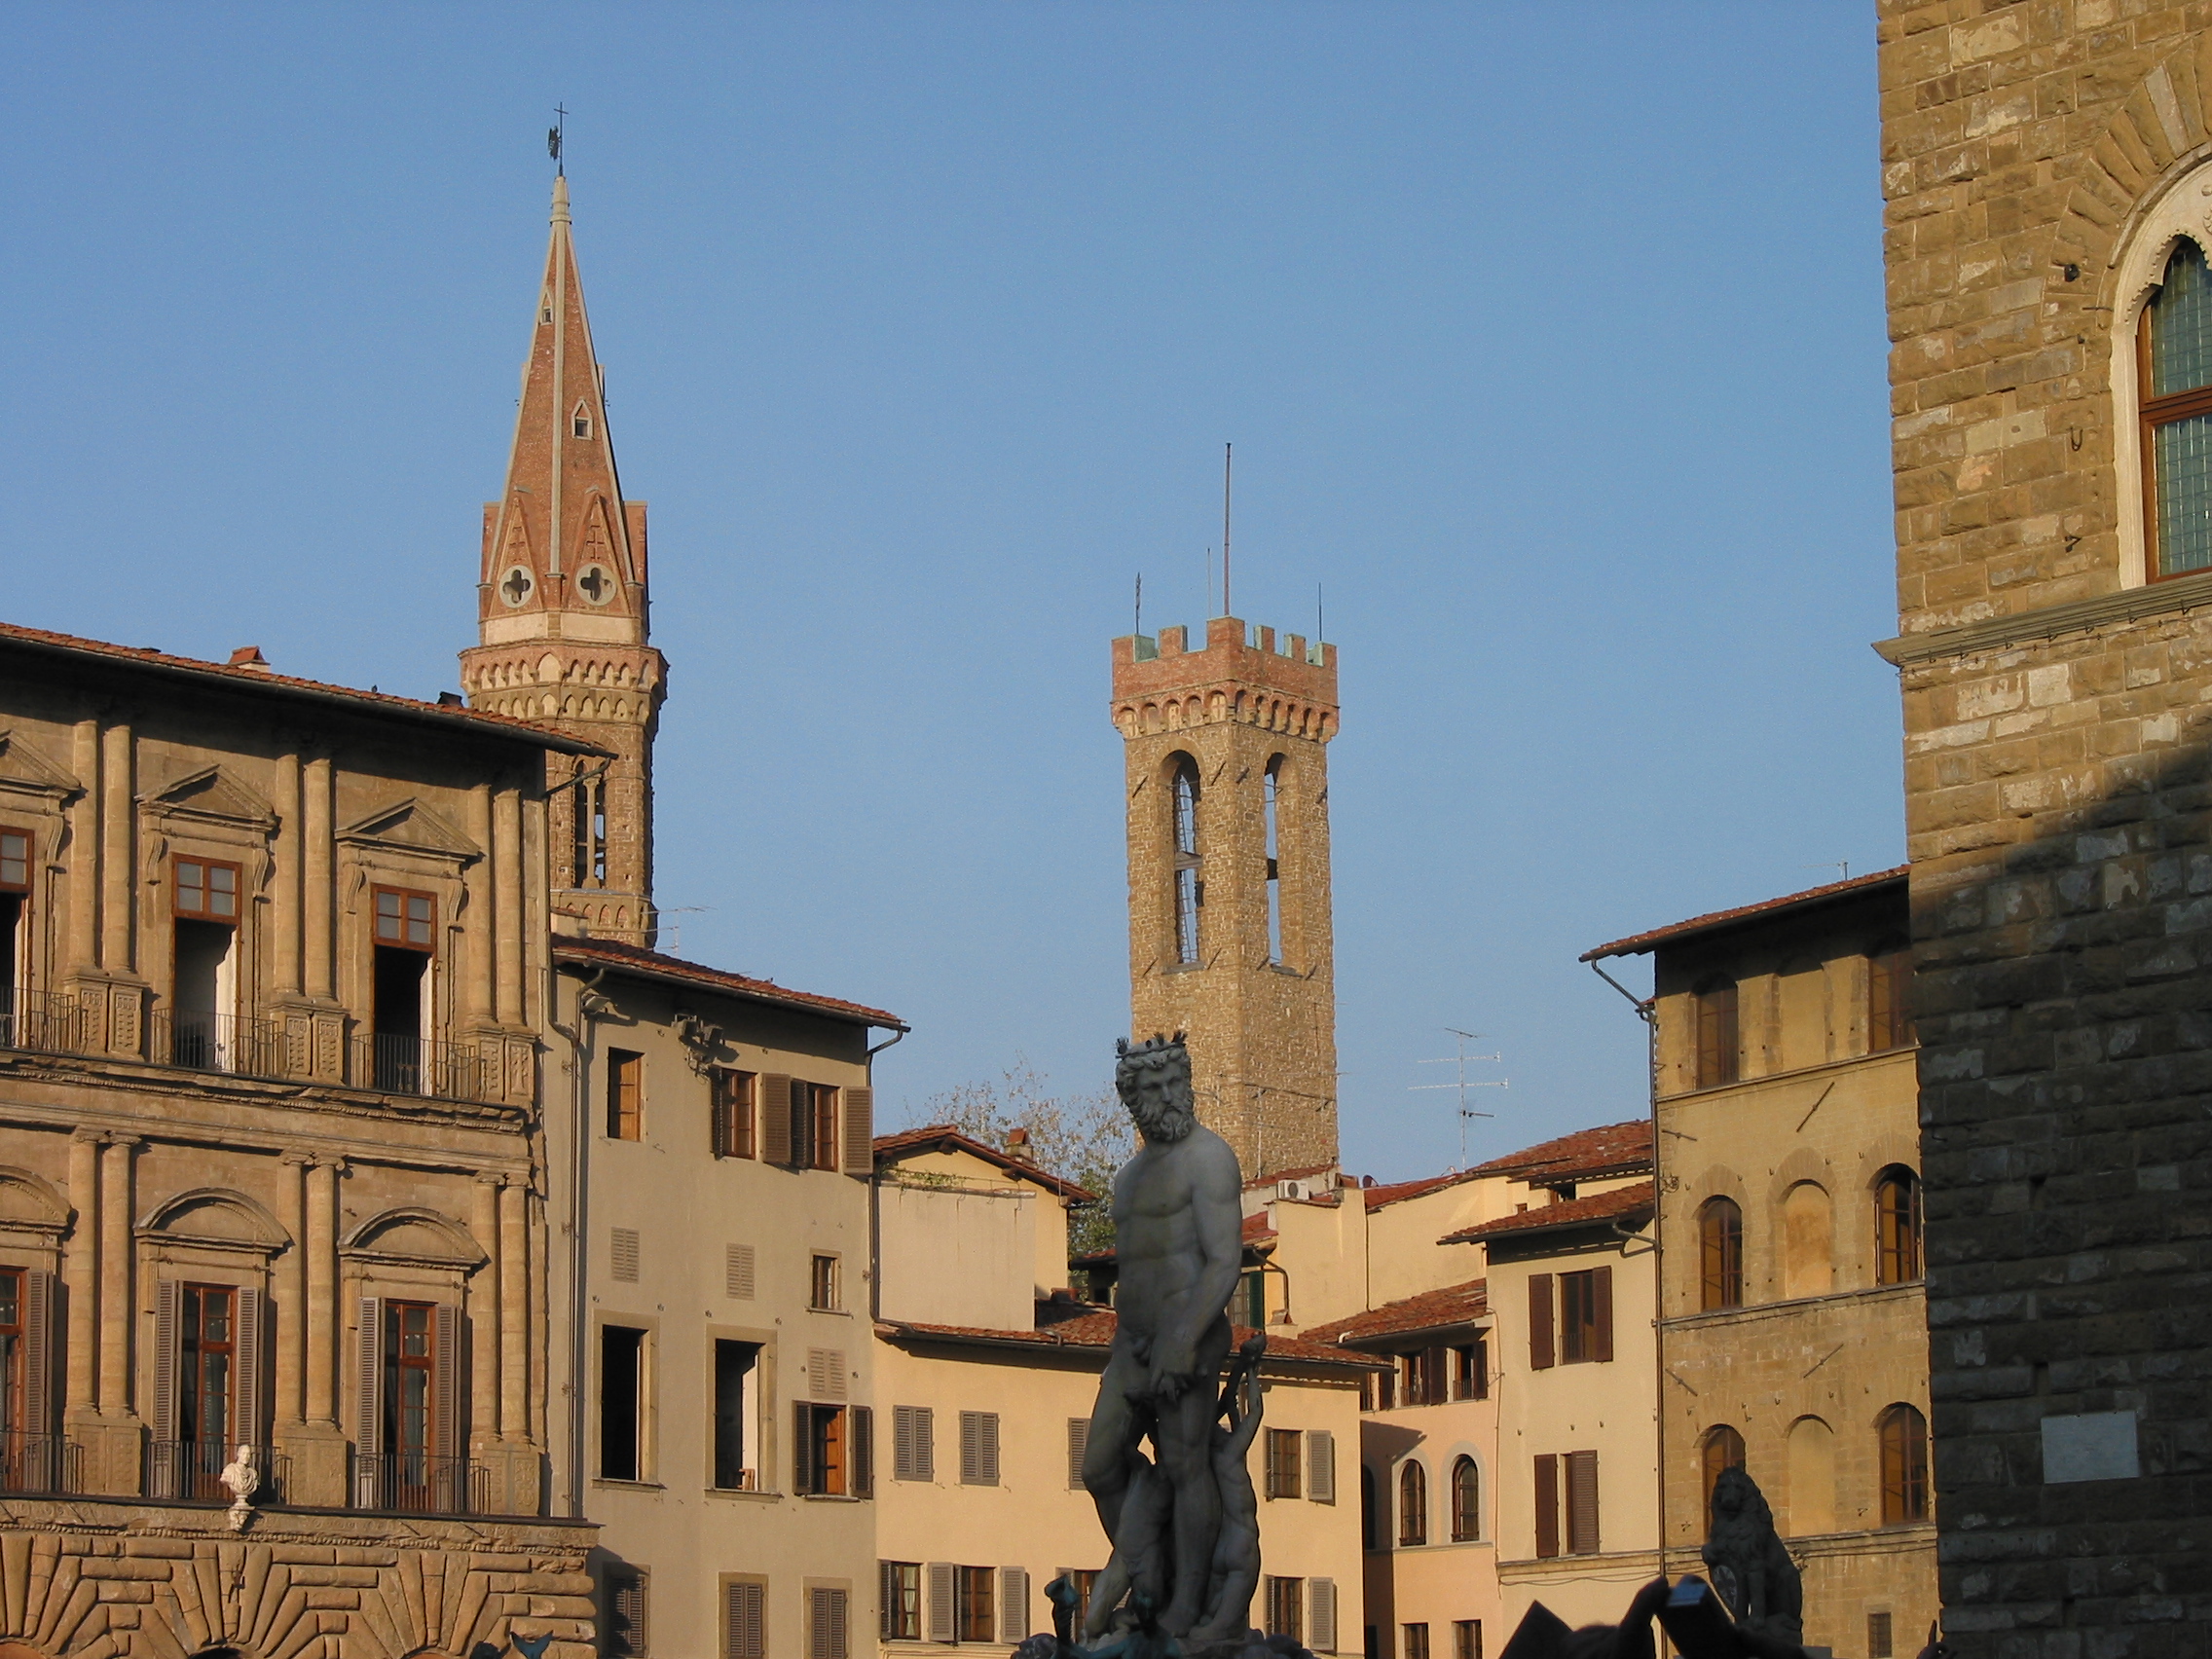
{"type": "Point", "coordinates": [562, 613]}
{"type": "Point", "coordinates": [1230, 930]}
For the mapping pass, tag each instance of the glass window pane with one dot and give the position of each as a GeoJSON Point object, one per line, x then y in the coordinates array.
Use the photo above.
{"type": "Point", "coordinates": [2182, 468]}
{"type": "Point", "coordinates": [2181, 325]}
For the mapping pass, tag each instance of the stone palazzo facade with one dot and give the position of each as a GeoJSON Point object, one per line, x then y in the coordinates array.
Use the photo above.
{"type": "Point", "coordinates": [271, 1174]}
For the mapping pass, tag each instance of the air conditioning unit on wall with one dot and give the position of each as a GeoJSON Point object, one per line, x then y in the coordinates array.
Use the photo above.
{"type": "Point", "coordinates": [1301, 1191]}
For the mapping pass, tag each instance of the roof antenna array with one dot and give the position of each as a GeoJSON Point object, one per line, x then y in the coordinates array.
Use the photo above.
{"type": "Point", "coordinates": [1461, 1084]}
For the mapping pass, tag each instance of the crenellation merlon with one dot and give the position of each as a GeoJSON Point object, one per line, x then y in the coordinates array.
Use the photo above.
{"type": "Point", "coordinates": [1241, 673]}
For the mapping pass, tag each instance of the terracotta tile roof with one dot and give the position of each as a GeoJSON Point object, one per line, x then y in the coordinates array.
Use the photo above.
{"type": "Point", "coordinates": [1398, 1192]}
{"type": "Point", "coordinates": [674, 971]}
{"type": "Point", "coordinates": [944, 1137]}
{"type": "Point", "coordinates": [1256, 1228]}
{"type": "Point", "coordinates": [1636, 945]}
{"type": "Point", "coordinates": [1430, 1311]}
{"type": "Point", "coordinates": [1621, 1201]}
{"type": "Point", "coordinates": [1096, 1331]}
{"type": "Point", "coordinates": [478, 721]}
{"type": "Point", "coordinates": [1610, 1149]}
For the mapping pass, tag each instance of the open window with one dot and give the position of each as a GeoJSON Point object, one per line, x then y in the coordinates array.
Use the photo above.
{"type": "Point", "coordinates": [202, 1028]}
{"type": "Point", "coordinates": [406, 935]}
{"type": "Point", "coordinates": [736, 1400]}
{"type": "Point", "coordinates": [14, 898]}
{"type": "Point", "coordinates": [407, 1437]}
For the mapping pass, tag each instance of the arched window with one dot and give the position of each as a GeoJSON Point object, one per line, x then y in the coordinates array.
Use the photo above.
{"type": "Point", "coordinates": [1271, 800]}
{"type": "Point", "coordinates": [1897, 1226]}
{"type": "Point", "coordinates": [1190, 888]}
{"type": "Point", "coordinates": [1903, 1434]}
{"type": "Point", "coordinates": [1720, 1255]}
{"type": "Point", "coordinates": [1716, 1042]}
{"type": "Point", "coordinates": [1889, 977]}
{"type": "Point", "coordinates": [1722, 1448]}
{"type": "Point", "coordinates": [1413, 1504]}
{"type": "Point", "coordinates": [2174, 375]}
{"type": "Point", "coordinates": [1466, 1501]}
{"type": "Point", "coordinates": [1370, 1537]}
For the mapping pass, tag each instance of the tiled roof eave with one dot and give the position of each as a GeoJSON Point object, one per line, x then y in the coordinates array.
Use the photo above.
{"type": "Point", "coordinates": [672, 970]}
{"type": "Point", "coordinates": [1714, 921]}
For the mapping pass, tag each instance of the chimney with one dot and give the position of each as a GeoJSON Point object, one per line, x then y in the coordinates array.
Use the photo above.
{"type": "Point", "coordinates": [249, 657]}
{"type": "Point", "coordinates": [1017, 1145]}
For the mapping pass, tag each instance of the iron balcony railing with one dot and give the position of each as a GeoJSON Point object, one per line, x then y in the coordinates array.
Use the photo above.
{"type": "Point", "coordinates": [40, 1463]}
{"type": "Point", "coordinates": [217, 1042]}
{"type": "Point", "coordinates": [191, 1471]}
{"type": "Point", "coordinates": [421, 1484]}
{"type": "Point", "coordinates": [399, 1064]}
{"type": "Point", "coordinates": [45, 1021]}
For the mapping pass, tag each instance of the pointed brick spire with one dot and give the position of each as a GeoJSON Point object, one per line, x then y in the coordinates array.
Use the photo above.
{"type": "Point", "coordinates": [562, 615]}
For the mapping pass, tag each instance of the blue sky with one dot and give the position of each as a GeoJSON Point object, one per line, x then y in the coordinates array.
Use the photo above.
{"type": "Point", "coordinates": [1549, 336]}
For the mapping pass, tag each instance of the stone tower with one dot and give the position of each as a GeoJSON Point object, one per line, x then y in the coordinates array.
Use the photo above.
{"type": "Point", "coordinates": [1230, 936]}
{"type": "Point", "coordinates": [562, 615]}
{"type": "Point", "coordinates": [2048, 170]}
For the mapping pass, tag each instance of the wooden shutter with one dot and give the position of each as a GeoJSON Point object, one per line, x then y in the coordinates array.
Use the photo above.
{"type": "Point", "coordinates": [744, 1621]}
{"type": "Point", "coordinates": [1320, 1465]}
{"type": "Point", "coordinates": [863, 1452]}
{"type": "Point", "coordinates": [41, 1348]}
{"type": "Point", "coordinates": [903, 1459]}
{"type": "Point", "coordinates": [1582, 1502]}
{"type": "Point", "coordinates": [775, 1117]}
{"type": "Point", "coordinates": [1013, 1603]}
{"type": "Point", "coordinates": [826, 1618]}
{"type": "Point", "coordinates": [1541, 1350]}
{"type": "Point", "coordinates": [801, 1112]}
{"type": "Point", "coordinates": [803, 1447]}
{"type": "Point", "coordinates": [1547, 1506]}
{"type": "Point", "coordinates": [925, 1443]}
{"type": "Point", "coordinates": [368, 1400]}
{"type": "Point", "coordinates": [168, 1296]}
{"type": "Point", "coordinates": [1605, 1315]}
{"type": "Point", "coordinates": [945, 1593]}
{"type": "Point", "coordinates": [246, 1429]}
{"type": "Point", "coordinates": [978, 1449]}
{"type": "Point", "coordinates": [445, 1378]}
{"type": "Point", "coordinates": [622, 1254]}
{"type": "Point", "coordinates": [737, 1272]}
{"type": "Point", "coordinates": [1079, 1441]}
{"type": "Point", "coordinates": [1321, 1604]}
{"type": "Point", "coordinates": [826, 1373]}
{"type": "Point", "coordinates": [860, 1131]}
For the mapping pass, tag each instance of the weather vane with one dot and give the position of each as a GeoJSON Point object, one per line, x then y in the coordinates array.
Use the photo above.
{"type": "Point", "coordinates": [553, 137]}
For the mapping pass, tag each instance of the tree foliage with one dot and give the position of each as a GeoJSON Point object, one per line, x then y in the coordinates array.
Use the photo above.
{"type": "Point", "coordinates": [1083, 1138]}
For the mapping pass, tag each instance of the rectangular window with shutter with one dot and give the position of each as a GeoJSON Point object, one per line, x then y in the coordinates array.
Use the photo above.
{"type": "Point", "coordinates": [944, 1602]}
{"type": "Point", "coordinates": [734, 1370]}
{"type": "Point", "coordinates": [822, 1285]}
{"type": "Point", "coordinates": [820, 1451]}
{"type": "Point", "coordinates": [1321, 1466]}
{"type": "Point", "coordinates": [733, 1113]}
{"type": "Point", "coordinates": [827, 1609]}
{"type": "Point", "coordinates": [822, 1115]}
{"type": "Point", "coordinates": [978, 1449]}
{"type": "Point", "coordinates": [621, 1402]}
{"type": "Point", "coordinates": [1541, 1354]}
{"type": "Point", "coordinates": [861, 1455]}
{"type": "Point", "coordinates": [976, 1620]}
{"type": "Point", "coordinates": [1013, 1603]}
{"type": "Point", "coordinates": [1586, 1317]}
{"type": "Point", "coordinates": [1466, 1638]}
{"type": "Point", "coordinates": [1079, 1441]}
{"type": "Point", "coordinates": [913, 1443]}
{"type": "Point", "coordinates": [1283, 1448]}
{"type": "Point", "coordinates": [625, 1095]}
{"type": "Point", "coordinates": [745, 1618]}
{"type": "Point", "coordinates": [1582, 1503]}
{"type": "Point", "coordinates": [628, 1629]}
{"type": "Point", "coordinates": [1286, 1607]}
{"type": "Point", "coordinates": [859, 1131]}
{"type": "Point", "coordinates": [1470, 1371]}
{"type": "Point", "coordinates": [1322, 1607]}
{"type": "Point", "coordinates": [899, 1600]}
{"type": "Point", "coordinates": [775, 1117]}
{"type": "Point", "coordinates": [1547, 1506]}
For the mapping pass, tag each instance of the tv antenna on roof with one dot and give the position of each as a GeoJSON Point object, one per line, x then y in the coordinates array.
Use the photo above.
{"type": "Point", "coordinates": [1462, 1085]}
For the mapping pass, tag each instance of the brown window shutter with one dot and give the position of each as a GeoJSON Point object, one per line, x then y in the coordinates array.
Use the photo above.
{"type": "Point", "coordinates": [800, 1111]}
{"type": "Point", "coordinates": [445, 1380]}
{"type": "Point", "coordinates": [1547, 1506]}
{"type": "Point", "coordinates": [1541, 1351]}
{"type": "Point", "coordinates": [1604, 1286]}
{"type": "Point", "coordinates": [945, 1591]}
{"type": "Point", "coordinates": [721, 1133]}
{"type": "Point", "coordinates": [775, 1117]}
{"type": "Point", "coordinates": [1582, 1502]}
{"type": "Point", "coordinates": [863, 1450]}
{"type": "Point", "coordinates": [1013, 1603]}
{"type": "Point", "coordinates": [803, 1447]}
{"type": "Point", "coordinates": [41, 1348]}
{"type": "Point", "coordinates": [860, 1131]}
{"type": "Point", "coordinates": [368, 1400]}
{"type": "Point", "coordinates": [745, 1608]}
{"type": "Point", "coordinates": [168, 1296]}
{"type": "Point", "coordinates": [246, 1425]}
{"type": "Point", "coordinates": [1079, 1441]}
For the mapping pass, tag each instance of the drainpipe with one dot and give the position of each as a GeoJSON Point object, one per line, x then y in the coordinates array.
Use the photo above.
{"type": "Point", "coordinates": [875, 1199]}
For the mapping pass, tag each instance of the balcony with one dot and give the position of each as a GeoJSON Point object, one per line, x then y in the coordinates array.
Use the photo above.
{"type": "Point", "coordinates": [190, 1471]}
{"type": "Point", "coordinates": [40, 1463]}
{"type": "Point", "coordinates": [419, 1484]}
{"type": "Point", "coordinates": [217, 1042]}
{"type": "Point", "coordinates": [42, 1021]}
{"type": "Point", "coordinates": [401, 1064]}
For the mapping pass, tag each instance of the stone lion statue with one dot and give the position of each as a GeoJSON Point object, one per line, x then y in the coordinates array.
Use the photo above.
{"type": "Point", "coordinates": [1750, 1568]}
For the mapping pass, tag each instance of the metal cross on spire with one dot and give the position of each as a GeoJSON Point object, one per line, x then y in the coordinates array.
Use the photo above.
{"type": "Point", "coordinates": [553, 139]}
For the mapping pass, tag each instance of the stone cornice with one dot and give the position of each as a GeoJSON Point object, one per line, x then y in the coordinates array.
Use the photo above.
{"type": "Point", "coordinates": [2128, 604]}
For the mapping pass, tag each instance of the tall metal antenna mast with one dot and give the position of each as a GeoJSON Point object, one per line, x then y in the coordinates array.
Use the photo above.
{"type": "Point", "coordinates": [1461, 1084]}
{"type": "Point", "coordinates": [1140, 602]}
{"type": "Point", "coordinates": [1226, 458]}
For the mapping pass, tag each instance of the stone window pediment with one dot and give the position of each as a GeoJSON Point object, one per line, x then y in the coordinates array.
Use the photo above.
{"type": "Point", "coordinates": [30, 1209]}
{"type": "Point", "coordinates": [28, 775]}
{"type": "Point", "coordinates": [414, 1236]}
{"type": "Point", "coordinates": [410, 827]}
{"type": "Point", "coordinates": [209, 794]}
{"type": "Point", "coordinates": [213, 1218]}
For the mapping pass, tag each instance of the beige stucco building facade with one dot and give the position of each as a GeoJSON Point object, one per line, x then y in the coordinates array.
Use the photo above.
{"type": "Point", "coordinates": [1793, 1311]}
